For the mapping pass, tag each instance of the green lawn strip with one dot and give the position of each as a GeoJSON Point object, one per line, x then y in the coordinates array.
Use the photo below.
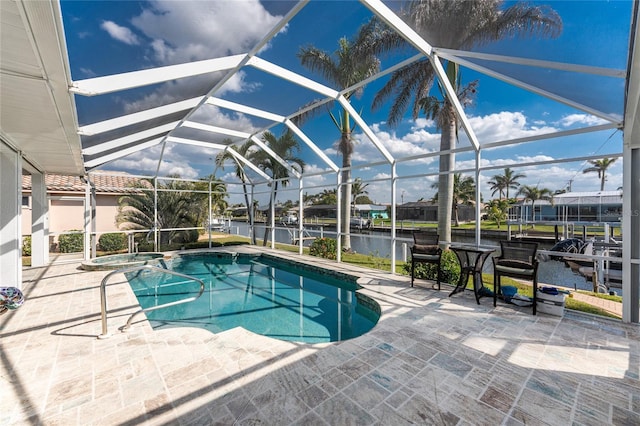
{"type": "Point", "coordinates": [601, 295]}
{"type": "Point", "coordinates": [578, 305]}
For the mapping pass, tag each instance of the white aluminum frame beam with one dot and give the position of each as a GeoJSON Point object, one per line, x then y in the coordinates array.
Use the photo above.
{"type": "Point", "coordinates": [534, 89]}
{"type": "Point", "coordinates": [138, 117]}
{"type": "Point", "coordinates": [293, 77]}
{"type": "Point", "coordinates": [244, 135]}
{"type": "Point", "coordinates": [204, 144]}
{"type": "Point", "coordinates": [290, 124]}
{"type": "Point", "coordinates": [388, 16]}
{"type": "Point", "coordinates": [245, 109]}
{"type": "Point", "coordinates": [454, 55]}
{"type": "Point", "coordinates": [129, 139]}
{"type": "Point", "coordinates": [275, 156]}
{"type": "Point", "coordinates": [365, 128]}
{"type": "Point", "coordinates": [216, 129]}
{"type": "Point", "coordinates": [121, 153]}
{"type": "Point", "coordinates": [131, 80]}
{"type": "Point", "coordinates": [249, 164]}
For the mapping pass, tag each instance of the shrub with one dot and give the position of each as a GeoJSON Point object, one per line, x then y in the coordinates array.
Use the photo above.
{"type": "Point", "coordinates": [324, 247]}
{"type": "Point", "coordinates": [113, 242]}
{"type": "Point", "coordinates": [71, 243]}
{"type": "Point", "coordinates": [26, 245]}
{"type": "Point", "coordinates": [448, 263]}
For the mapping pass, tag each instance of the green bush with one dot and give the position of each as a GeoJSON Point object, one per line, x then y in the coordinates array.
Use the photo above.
{"type": "Point", "coordinates": [113, 242]}
{"type": "Point", "coordinates": [324, 247]}
{"type": "Point", "coordinates": [448, 263]}
{"type": "Point", "coordinates": [26, 245]}
{"type": "Point", "coordinates": [71, 243]}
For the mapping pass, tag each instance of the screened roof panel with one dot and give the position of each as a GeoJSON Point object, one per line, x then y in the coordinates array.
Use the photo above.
{"type": "Point", "coordinates": [605, 94]}
{"type": "Point", "coordinates": [147, 37]}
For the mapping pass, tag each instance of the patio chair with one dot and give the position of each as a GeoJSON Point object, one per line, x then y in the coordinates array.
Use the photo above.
{"type": "Point", "coordinates": [425, 250]}
{"type": "Point", "coordinates": [517, 260]}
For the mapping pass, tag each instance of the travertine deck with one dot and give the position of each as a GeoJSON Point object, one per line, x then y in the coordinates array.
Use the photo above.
{"type": "Point", "coordinates": [430, 360]}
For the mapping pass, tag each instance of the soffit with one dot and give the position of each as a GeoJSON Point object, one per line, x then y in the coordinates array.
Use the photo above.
{"type": "Point", "coordinates": [37, 113]}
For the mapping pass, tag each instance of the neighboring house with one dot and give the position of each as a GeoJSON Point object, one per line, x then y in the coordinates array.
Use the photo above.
{"type": "Point", "coordinates": [66, 195]}
{"type": "Point", "coordinates": [427, 211]}
{"type": "Point", "coordinates": [597, 206]}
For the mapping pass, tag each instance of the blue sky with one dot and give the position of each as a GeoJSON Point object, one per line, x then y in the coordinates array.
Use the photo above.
{"type": "Point", "coordinates": [111, 37]}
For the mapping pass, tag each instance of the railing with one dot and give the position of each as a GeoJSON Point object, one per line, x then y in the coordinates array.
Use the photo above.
{"type": "Point", "coordinates": [103, 295]}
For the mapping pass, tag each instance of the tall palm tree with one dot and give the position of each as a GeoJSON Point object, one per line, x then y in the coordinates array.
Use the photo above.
{"type": "Point", "coordinates": [502, 183]}
{"type": "Point", "coordinates": [600, 167]}
{"type": "Point", "coordinates": [464, 193]}
{"type": "Point", "coordinates": [458, 24]}
{"type": "Point", "coordinates": [286, 146]}
{"type": "Point", "coordinates": [351, 63]}
{"type": "Point", "coordinates": [510, 179]}
{"type": "Point", "coordinates": [533, 193]}
{"type": "Point", "coordinates": [244, 150]}
{"type": "Point", "coordinates": [496, 184]}
{"type": "Point", "coordinates": [358, 189]}
{"type": "Point", "coordinates": [441, 110]}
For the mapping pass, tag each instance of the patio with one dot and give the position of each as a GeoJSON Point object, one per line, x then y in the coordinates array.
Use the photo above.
{"type": "Point", "coordinates": [430, 360]}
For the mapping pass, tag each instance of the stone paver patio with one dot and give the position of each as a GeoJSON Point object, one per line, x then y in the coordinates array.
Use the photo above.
{"type": "Point", "coordinates": [430, 360]}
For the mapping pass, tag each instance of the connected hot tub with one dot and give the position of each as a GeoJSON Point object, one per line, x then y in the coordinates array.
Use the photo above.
{"type": "Point", "coordinates": [117, 261]}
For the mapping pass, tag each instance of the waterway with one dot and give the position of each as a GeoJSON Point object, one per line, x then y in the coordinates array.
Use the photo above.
{"type": "Point", "coordinates": [377, 243]}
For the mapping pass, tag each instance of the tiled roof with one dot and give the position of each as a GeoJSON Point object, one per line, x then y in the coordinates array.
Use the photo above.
{"type": "Point", "coordinates": [104, 183]}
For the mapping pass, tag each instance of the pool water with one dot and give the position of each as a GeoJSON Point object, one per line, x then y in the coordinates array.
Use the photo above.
{"type": "Point", "coordinates": [265, 295]}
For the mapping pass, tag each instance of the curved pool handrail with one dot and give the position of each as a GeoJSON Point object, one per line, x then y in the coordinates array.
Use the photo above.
{"type": "Point", "coordinates": [103, 294]}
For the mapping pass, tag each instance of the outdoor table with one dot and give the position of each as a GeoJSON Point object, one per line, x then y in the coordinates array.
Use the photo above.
{"type": "Point", "coordinates": [471, 260]}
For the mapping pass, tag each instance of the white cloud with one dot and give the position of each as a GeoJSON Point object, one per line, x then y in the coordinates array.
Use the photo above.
{"type": "Point", "coordinates": [418, 142]}
{"type": "Point", "coordinates": [186, 31]}
{"type": "Point", "coordinates": [421, 123]}
{"type": "Point", "coordinates": [504, 125]}
{"type": "Point", "coordinates": [120, 33]}
{"type": "Point", "coordinates": [585, 119]}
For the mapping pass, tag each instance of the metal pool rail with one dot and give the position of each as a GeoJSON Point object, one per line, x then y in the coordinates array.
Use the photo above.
{"type": "Point", "coordinates": [103, 295]}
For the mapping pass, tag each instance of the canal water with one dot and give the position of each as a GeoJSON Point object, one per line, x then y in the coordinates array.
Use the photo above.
{"type": "Point", "coordinates": [377, 243]}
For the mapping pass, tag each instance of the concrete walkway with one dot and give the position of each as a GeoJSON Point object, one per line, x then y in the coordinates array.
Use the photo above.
{"type": "Point", "coordinates": [607, 305]}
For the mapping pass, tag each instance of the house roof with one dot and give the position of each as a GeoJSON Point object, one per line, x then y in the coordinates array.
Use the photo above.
{"type": "Point", "coordinates": [104, 183]}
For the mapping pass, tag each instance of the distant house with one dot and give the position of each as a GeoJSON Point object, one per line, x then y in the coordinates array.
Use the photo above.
{"type": "Point", "coordinates": [597, 206]}
{"type": "Point", "coordinates": [369, 211]}
{"type": "Point", "coordinates": [427, 211]}
{"type": "Point", "coordinates": [66, 195]}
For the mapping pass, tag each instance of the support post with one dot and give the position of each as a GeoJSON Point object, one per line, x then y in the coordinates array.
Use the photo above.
{"type": "Point", "coordinates": [39, 220]}
{"type": "Point", "coordinates": [10, 216]}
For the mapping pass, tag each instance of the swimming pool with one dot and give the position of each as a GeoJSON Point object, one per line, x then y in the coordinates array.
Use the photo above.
{"type": "Point", "coordinates": [266, 295]}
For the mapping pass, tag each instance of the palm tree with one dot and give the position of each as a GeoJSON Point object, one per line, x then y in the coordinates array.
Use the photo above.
{"type": "Point", "coordinates": [348, 65]}
{"type": "Point", "coordinates": [464, 192]}
{"type": "Point", "coordinates": [219, 195]}
{"type": "Point", "coordinates": [496, 184]}
{"type": "Point", "coordinates": [534, 194]}
{"type": "Point", "coordinates": [600, 166]}
{"type": "Point", "coordinates": [327, 196]}
{"type": "Point", "coordinates": [286, 146]}
{"type": "Point", "coordinates": [452, 24]}
{"type": "Point", "coordinates": [502, 183]}
{"type": "Point", "coordinates": [244, 150]}
{"type": "Point", "coordinates": [510, 179]}
{"type": "Point", "coordinates": [178, 207]}
{"type": "Point", "coordinates": [358, 189]}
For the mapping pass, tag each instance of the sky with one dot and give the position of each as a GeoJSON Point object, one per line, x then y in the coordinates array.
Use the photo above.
{"type": "Point", "coordinates": [110, 37]}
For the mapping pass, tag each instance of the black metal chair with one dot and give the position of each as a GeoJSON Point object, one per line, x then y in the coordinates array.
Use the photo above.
{"type": "Point", "coordinates": [517, 260]}
{"type": "Point", "coordinates": [425, 249]}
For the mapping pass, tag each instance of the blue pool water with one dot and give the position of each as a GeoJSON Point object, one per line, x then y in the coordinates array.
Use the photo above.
{"type": "Point", "coordinates": [264, 295]}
